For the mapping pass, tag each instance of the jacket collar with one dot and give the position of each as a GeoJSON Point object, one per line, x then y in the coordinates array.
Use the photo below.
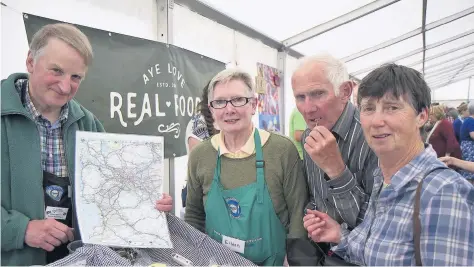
{"type": "Point", "coordinates": [418, 168]}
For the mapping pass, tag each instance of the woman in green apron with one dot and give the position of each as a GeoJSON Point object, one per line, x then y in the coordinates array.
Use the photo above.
{"type": "Point", "coordinates": [246, 187]}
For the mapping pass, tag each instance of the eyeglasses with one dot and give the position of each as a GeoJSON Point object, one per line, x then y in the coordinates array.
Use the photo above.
{"type": "Point", "coordinates": [236, 102]}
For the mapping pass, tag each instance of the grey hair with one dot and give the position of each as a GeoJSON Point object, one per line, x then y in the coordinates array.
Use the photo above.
{"type": "Point", "coordinates": [228, 75]}
{"type": "Point", "coordinates": [470, 108]}
{"type": "Point", "coordinates": [453, 113]}
{"type": "Point", "coordinates": [335, 70]}
{"type": "Point", "coordinates": [67, 33]}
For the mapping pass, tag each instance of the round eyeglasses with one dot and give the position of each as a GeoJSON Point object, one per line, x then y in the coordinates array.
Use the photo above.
{"type": "Point", "coordinates": [236, 102]}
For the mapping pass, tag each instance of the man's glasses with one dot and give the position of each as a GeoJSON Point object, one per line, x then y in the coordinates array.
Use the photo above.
{"type": "Point", "coordinates": [236, 102]}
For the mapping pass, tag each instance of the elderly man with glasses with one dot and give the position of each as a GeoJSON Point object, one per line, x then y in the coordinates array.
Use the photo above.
{"type": "Point", "coordinates": [246, 187]}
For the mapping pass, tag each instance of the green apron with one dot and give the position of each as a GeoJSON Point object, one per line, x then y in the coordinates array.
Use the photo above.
{"type": "Point", "coordinates": [244, 219]}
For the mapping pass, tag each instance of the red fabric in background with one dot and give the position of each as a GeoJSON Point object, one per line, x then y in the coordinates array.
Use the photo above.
{"type": "Point", "coordinates": [444, 140]}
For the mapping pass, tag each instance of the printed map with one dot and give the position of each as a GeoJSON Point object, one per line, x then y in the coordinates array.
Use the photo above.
{"type": "Point", "coordinates": [118, 178]}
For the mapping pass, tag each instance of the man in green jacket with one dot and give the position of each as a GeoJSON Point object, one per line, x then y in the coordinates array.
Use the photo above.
{"type": "Point", "coordinates": [39, 122]}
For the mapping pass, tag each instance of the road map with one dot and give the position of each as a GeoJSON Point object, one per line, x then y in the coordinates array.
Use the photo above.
{"type": "Point", "coordinates": [118, 178]}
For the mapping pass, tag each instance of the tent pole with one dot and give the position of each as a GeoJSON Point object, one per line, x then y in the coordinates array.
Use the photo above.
{"type": "Point", "coordinates": [469, 89]}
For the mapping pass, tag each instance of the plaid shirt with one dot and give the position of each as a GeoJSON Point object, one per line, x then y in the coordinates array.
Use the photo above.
{"type": "Point", "coordinates": [385, 237]}
{"type": "Point", "coordinates": [53, 158]}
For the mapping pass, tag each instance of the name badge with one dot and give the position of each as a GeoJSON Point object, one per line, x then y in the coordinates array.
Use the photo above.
{"type": "Point", "coordinates": [234, 244]}
{"type": "Point", "coordinates": [55, 213]}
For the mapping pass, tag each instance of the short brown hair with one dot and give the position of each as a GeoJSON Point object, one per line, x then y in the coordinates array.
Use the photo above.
{"type": "Point", "coordinates": [66, 33]}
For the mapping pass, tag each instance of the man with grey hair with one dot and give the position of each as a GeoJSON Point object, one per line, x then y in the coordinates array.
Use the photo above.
{"type": "Point", "coordinates": [39, 122]}
{"type": "Point", "coordinates": [338, 163]}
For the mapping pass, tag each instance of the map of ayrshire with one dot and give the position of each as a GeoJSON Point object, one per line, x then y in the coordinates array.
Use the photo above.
{"type": "Point", "coordinates": [118, 178]}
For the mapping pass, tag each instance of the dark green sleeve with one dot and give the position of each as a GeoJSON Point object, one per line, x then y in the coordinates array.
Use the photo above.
{"type": "Point", "coordinates": [195, 214]}
{"type": "Point", "coordinates": [296, 194]}
{"type": "Point", "coordinates": [14, 225]}
{"type": "Point", "coordinates": [99, 126]}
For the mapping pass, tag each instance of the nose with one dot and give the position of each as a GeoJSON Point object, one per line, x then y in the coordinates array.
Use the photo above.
{"type": "Point", "coordinates": [378, 119]}
{"type": "Point", "coordinates": [309, 105]}
{"type": "Point", "coordinates": [65, 85]}
{"type": "Point", "coordinates": [229, 108]}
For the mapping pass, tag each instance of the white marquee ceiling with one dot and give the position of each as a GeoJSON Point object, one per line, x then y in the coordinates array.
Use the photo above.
{"type": "Point", "coordinates": [435, 37]}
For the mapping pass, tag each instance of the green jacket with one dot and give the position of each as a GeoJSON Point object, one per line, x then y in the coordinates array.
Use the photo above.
{"type": "Point", "coordinates": [22, 175]}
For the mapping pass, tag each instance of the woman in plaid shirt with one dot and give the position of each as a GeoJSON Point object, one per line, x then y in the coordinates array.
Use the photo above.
{"type": "Point", "coordinates": [394, 102]}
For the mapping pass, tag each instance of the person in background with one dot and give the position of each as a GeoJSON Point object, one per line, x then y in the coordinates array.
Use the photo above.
{"type": "Point", "coordinates": [297, 127]}
{"type": "Point", "coordinates": [39, 124]}
{"type": "Point", "coordinates": [337, 160]}
{"type": "Point", "coordinates": [467, 139]}
{"type": "Point", "coordinates": [441, 135]}
{"type": "Point", "coordinates": [201, 127]}
{"type": "Point", "coordinates": [467, 166]}
{"type": "Point", "coordinates": [452, 114]}
{"type": "Point", "coordinates": [394, 102]}
{"type": "Point", "coordinates": [462, 113]}
{"type": "Point", "coordinates": [446, 112]}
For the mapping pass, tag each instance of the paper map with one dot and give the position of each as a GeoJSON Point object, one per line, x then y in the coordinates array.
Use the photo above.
{"type": "Point", "coordinates": [118, 178]}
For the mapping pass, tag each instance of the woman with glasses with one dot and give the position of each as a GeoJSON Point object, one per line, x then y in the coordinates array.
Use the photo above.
{"type": "Point", "coordinates": [246, 187]}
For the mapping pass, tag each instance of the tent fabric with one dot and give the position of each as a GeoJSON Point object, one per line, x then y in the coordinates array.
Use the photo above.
{"type": "Point", "coordinates": [435, 37]}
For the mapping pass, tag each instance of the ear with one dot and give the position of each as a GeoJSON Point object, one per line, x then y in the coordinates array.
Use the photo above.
{"type": "Point", "coordinates": [254, 103]}
{"type": "Point", "coordinates": [30, 61]}
{"type": "Point", "coordinates": [345, 90]}
{"type": "Point", "coordinates": [422, 118]}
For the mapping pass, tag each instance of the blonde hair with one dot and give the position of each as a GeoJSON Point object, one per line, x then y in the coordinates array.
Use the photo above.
{"type": "Point", "coordinates": [228, 75]}
{"type": "Point", "coordinates": [462, 108]}
{"type": "Point", "coordinates": [438, 112]}
{"type": "Point", "coordinates": [67, 33]}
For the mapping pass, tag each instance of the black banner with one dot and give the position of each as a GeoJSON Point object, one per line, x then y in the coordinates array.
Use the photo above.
{"type": "Point", "coordinates": [139, 86]}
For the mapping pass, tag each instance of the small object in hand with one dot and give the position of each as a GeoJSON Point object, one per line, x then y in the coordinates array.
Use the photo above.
{"type": "Point", "coordinates": [312, 208]}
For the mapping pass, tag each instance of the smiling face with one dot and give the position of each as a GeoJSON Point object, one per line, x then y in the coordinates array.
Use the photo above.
{"type": "Point", "coordinates": [391, 126]}
{"type": "Point", "coordinates": [54, 75]}
{"type": "Point", "coordinates": [315, 97]}
{"type": "Point", "coordinates": [233, 120]}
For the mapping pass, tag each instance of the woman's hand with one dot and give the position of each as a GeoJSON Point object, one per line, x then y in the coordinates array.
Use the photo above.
{"type": "Point", "coordinates": [321, 227]}
{"type": "Point", "coordinates": [449, 161]}
{"type": "Point", "coordinates": [165, 203]}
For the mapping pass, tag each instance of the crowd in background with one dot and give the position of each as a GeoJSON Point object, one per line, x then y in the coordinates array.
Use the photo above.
{"type": "Point", "coordinates": [451, 133]}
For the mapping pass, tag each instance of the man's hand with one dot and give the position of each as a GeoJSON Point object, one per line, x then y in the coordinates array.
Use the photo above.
{"type": "Point", "coordinates": [322, 147]}
{"type": "Point", "coordinates": [321, 227]}
{"type": "Point", "coordinates": [165, 203]}
{"type": "Point", "coordinates": [47, 234]}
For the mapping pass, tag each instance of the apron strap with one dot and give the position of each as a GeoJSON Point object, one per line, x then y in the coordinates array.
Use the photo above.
{"type": "Point", "coordinates": [217, 170]}
{"type": "Point", "coordinates": [260, 165]}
